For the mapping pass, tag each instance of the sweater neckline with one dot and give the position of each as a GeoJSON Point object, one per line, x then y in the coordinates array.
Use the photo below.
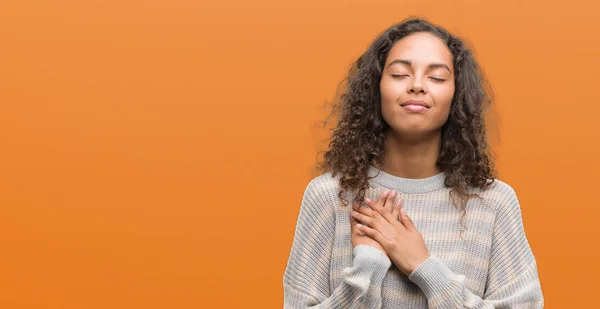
{"type": "Point", "coordinates": [407, 185]}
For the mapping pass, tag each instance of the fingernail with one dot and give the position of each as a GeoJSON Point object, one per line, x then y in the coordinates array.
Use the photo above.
{"type": "Point", "coordinates": [354, 213]}
{"type": "Point", "coordinates": [394, 193]}
{"type": "Point", "coordinates": [368, 200]}
{"type": "Point", "coordinates": [403, 211]}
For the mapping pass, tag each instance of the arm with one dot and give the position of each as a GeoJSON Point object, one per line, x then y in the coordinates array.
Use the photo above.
{"type": "Point", "coordinates": [512, 281]}
{"type": "Point", "coordinates": [306, 279]}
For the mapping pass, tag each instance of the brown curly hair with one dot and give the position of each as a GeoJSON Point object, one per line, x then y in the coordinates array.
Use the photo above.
{"type": "Point", "coordinates": [358, 140]}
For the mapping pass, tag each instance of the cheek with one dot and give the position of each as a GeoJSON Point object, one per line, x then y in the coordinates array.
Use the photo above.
{"type": "Point", "coordinates": [443, 98]}
{"type": "Point", "coordinates": [390, 93]}
{"type": "Point", "coordinates": [388, 101]}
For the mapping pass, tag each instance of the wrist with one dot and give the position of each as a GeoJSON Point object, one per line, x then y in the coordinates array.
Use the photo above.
{"type": "Point", "coordinates": [414, 265]}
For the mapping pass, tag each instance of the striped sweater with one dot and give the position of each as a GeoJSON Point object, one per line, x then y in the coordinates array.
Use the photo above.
{"type": "Point", "coordinates": [491, 266]}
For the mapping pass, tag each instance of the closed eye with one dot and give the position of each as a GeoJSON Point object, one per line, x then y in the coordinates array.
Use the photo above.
{"type": "Point", "coordinates": [433, 78]}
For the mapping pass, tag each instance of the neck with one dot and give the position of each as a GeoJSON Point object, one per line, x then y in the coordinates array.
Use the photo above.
{"type": "Point", "coordinates": [411, 159]}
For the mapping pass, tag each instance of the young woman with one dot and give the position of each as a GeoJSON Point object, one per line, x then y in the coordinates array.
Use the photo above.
{"type": "Point", "coordinates": [430, 226]}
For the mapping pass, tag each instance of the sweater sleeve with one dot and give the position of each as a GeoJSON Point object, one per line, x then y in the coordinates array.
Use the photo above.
{"type": "Point", "coordinates": [306, 279]}
{"type": "Point", "coordinates": [512, 280]}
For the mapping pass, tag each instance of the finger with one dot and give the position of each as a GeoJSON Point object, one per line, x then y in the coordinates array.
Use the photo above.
{"type": "Point", "coordinates": [356, 205]}
{"type": "Point", "coordinates": [380, 201]}
{"type": "Point", "coordinates": [353, 229]}
{"type": "Point", "coordinates": [389, 201]}
{"type": "Point", "coordinates": [376, 215]}
{"type": "Point", "coordinates": [407, 221]}
{"type": "Point", "coordinates": [386, 199]}
{"type": "Point", "coordinates": [366, 211]}
{"type": "Point", "coordinates": [365, 220]}
{"type": "Point", "coordinates": [373, 233]}
{"type": "Point", "coordinates": [396, 211]}
{"type": "Point", "coordinates": [377, 210]}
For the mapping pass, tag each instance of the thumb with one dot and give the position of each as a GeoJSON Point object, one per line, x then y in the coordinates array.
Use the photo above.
{"type": "Point", "coordinates": [407, 221]}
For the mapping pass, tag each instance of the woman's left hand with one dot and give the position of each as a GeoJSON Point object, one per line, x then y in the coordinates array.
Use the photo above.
{"type": "Point", "coordinates": [395, 232]}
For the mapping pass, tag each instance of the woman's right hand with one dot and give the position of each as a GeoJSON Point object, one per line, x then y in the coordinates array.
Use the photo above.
{"type": "Point", "coordinates": [385, 200]}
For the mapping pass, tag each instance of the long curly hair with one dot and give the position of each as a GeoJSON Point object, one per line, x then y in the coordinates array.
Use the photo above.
{"type": "Point", "coordinates": [358, 140]}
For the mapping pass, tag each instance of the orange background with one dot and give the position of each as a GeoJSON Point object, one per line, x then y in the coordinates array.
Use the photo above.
{"type": "Point", "coordinates": [154, 153]}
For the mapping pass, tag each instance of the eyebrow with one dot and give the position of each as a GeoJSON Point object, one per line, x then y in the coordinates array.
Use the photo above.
{"type": "Point", "coordinates": [430, 66]}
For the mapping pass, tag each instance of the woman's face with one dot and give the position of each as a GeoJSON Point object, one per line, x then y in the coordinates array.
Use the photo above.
{"type": "Point", "coordinates": [417, 85]}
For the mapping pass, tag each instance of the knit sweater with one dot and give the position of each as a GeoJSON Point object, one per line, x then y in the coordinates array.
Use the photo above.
{"type": "Point", "coordinates": [491, 266]}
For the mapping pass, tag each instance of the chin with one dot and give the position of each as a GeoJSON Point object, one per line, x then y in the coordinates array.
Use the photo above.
{"type": "Point", "coordinates": [413, 127]}
{"type": "Point", "coordinates": [414, 132]}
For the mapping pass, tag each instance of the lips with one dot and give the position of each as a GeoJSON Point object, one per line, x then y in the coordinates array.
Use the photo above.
{"type": "Point", "coordinates": [415, 106]}
{"type": "Point", "coordinates": [415, 102]}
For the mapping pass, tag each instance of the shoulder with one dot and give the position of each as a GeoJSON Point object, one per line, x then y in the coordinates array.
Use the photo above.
{"type": "Point", "coordinates": [499, 195]}
{"type": "Point", "coordinates": [319, 201]}
{"type": "Point", "coordinates": [322, 188]}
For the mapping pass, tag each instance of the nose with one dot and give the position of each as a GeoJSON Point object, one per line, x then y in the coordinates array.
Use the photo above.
{"type": "Point", "coordinates": [417, 87]}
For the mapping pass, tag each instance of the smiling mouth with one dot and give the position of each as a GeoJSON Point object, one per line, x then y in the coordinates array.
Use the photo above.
{"type": "Point", "coordinates": [415, 102]}
{"type": "Point", "coordinates": [415, 106]}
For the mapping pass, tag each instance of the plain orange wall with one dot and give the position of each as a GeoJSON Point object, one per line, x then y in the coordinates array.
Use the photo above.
{"type": "Point", "coordinates": [154, 153]}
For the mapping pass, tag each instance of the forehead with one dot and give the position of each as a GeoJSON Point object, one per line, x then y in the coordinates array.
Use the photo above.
{"type": "Point", "coordinates": [421, 48]}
